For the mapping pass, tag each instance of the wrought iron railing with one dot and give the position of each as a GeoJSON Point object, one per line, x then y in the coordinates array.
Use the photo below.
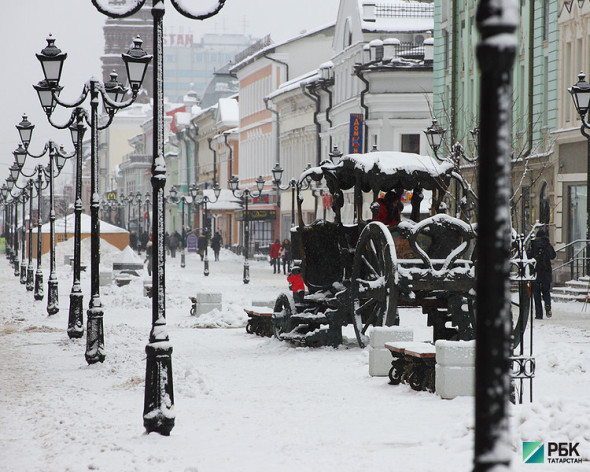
{"type": "Point", "coordinates": [574, 257]}
{"type": "Point", "coordinates": [414, 11]}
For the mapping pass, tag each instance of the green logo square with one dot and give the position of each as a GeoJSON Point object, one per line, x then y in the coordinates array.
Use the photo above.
{"type": "Point", "coordinates": [533, 452]}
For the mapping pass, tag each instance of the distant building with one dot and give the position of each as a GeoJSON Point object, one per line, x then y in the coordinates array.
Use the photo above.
{"type": "Point", "coordinates": [118, 38]}
{"type": "Point", "coordinates": [189, 63]}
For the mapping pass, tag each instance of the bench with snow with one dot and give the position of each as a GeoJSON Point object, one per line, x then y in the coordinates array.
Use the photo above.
{"type": "Point", "coordinates": [413, 363]}
{"type": "Point", "coordinates": [259, 323]}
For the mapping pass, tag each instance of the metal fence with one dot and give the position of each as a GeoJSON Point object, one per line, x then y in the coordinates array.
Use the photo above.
{"type": "Point", "coordinates": [414, 11]}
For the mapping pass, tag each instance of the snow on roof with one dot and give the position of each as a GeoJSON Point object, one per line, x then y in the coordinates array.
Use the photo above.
{"type": "Point", "coordinates": [85, 226]}
{"type": "Point", "coordinates": [295, 83]}
{"type": "Point", "coordinates": [271, 48]}
{"type": "Point", "coordinates": [399, 16]}
{"type": "Point", "coordinates": [182, 118]}
{"type": "Point", "coordinates": [229, 111]}
{"type": "Point", "coordinates": [391, 162]}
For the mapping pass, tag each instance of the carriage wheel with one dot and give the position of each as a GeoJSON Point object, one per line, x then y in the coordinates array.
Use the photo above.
{"type": "Point", "coordinates": [249, 328]}
{"type": "Point", "coordinates": [281, 318]}
{"type": "Point", "coordinates": [374, 271]}
{"type": "Point", "coordinates": [396, 371]}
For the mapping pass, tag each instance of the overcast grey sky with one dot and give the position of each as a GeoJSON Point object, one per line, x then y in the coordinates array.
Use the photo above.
{"type": "Point", "coordinates": [77, 27]}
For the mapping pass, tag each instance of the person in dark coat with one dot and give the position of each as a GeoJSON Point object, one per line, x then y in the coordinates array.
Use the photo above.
{"type": "Point", "coordinates": [216, 244]}
{"type": "Point", "coordinates": [173, 242]}
{"type": "Point", "coordinates": [542, 251]}
{"type": "Point", "coordinates": [286, 256]}
{"type": "Point", "coordinates": [202, 245]}
{"type": "Point", "coordinates": [275, 261]}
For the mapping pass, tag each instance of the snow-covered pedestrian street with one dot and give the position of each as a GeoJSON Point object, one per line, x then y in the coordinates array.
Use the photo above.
{"type": "Point", "coordinates": [244, 402]}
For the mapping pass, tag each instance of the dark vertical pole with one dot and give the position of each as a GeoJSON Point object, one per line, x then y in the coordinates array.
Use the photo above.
{"type": "Point", "coordinates": [38, 294]}
{"type": "Point", "coordinates": [52, 287]}
{"type": "Point", "coordinates": [23, 266]}
{"type": "Point", "coordinates": [76, 313]}
{"type": "Point", "coordinates": [15, 238]}
{"type": "Point", "coordinates": [246, 240]}
{"type": "Point", "coordinates": [94, 323]}
{"type": "Point", "coordinates": [588, 206]}
{"type": "Point", "coordinates": [30, 282]}
{"type": "Point", "coordinates": [497, 21]}
{"type": "Point", "coordinates": [158, 407]}
{"type": "Point", "coordinates": [206, 260]}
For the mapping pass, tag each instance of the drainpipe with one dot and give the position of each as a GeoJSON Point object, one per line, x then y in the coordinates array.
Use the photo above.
{"type": "Point", "coordinates": [209, 141]}
{"type": "Point", "coordinates": [275, 112]}
{"type": "Point", "coordinates": [531, 79]}
{"type": "Point", "coordinates": [231, 153]}
{"type": "Point", "coordinates": [316, 99]}
{"type": "Point", "coordinates": [279, 62]}
{"type": "Point", "coordinates": [359, 73]}
{"type": "Point", "coordinates": [192, 133]}
{"type": "Point", "coordinates": [324, 86]}
{"type": "Point", "coordinates": [455, 72]}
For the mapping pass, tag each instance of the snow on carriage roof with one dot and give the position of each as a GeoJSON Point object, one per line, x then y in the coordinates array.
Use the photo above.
{"type": "Point", "coordinates": [391, 162]}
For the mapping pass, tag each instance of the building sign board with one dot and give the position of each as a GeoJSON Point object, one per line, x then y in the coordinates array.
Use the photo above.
{"type": "Point", "coordinates": [256, 215]}
{"type": "Point", "coordinates": [356, 134]}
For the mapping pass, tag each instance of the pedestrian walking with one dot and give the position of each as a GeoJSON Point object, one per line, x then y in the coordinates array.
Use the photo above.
{"type": "Point", "coordinates": [286, 256]}
{"type": "Point", "coordinates": [543, 252]}
{"type": "Point", "coordinates": [202, 245]}
{"type": "Point", "coordinates": [216, 243]}
{"type": "Point", "coordinates": [275, 256]}
{"type": "Point", "coordinates": [173, 242]}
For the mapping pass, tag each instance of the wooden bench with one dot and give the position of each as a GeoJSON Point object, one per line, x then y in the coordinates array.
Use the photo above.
{"type": "Point", "coordinates": [413, 363]}
{"type": "Point", "coordinates": [259, 323]}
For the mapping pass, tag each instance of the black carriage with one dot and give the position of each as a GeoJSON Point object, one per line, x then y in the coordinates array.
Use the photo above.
{"type": "Point", "coordinates": [362, 273]}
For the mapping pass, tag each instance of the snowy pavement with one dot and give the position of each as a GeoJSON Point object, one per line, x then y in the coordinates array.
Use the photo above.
{"type": "Point", "coordinates": [245, 402]}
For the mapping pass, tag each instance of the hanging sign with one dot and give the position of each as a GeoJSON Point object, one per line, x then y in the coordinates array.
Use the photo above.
{"type": "Point", "coordinates": [356, 134]}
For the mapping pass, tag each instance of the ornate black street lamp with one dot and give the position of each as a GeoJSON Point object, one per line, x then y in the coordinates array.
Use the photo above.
{"type": "Point", "coordinates": [139, 203]}
{"type": "Point", "coordinates": [158, 412]}
{"type": "Point", "coordinates": [57, 159]}
{"type": "Point", "coordinates": [147, 201]}
{"type": "Point", "coordinates": [205, 200]}
{"type": "Point", "coordinates": [497, 21]}
{"type": "Point", "coordinates": [580, 93]}
{"type": "Point", "coordinates": [434, 134]}
{"type": "Point", "coordinates": [244, 195]}
{"type": "Point", "coordinates": [111, 93]}
{"type": "Point", "coordinates": [277, 174]}
{"type": "Point", "coordinates": [24, 197]}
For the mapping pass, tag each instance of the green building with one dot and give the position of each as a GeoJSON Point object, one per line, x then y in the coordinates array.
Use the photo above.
{"type": "Point", "coordinates": [535, 75]}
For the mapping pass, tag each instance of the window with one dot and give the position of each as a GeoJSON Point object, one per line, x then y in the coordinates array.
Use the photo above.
{"type": "Point", "coordinates": [411, 143]}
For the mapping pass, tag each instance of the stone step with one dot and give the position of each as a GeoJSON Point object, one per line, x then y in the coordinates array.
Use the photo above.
{"type": "Point", "coordinates": [562, 297]}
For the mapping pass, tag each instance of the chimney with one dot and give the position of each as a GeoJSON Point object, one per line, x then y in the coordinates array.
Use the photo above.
{"type": "Point", "coordinates": [429, 50]}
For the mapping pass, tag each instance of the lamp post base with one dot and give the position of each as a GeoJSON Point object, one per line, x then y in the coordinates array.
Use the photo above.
{"type": "Point", "coordinates": [23, 274]}
{"type": "Point", "coordinates": [246, 272]}
{"type": "Point", "coordinates": [16, 268]}
{"type": "Point", "coordinates": [158, 409]}
{"type": "Point", "coordinates": [95, 336]}
{"type": "Point", "coordinates": [182, 259]}
{"type": "Point", "coordinates": [206, 266]}
{"type": "Point", "coordinates": [52, 295]}
{"type": "Point", "coordinates": [75, 319]}
{"type": "Point", "coordinates": [38, 285]}
{"type": "Point", "coordinates": [30, 279]}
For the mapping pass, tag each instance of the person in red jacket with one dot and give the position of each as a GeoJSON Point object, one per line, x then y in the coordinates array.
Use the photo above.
{"type": "Point", "coordinates": [275, 261]}
{"type": "Point", "coordinates": [390, 208]}
{"type": "Point", "coordinates": [296, 284]}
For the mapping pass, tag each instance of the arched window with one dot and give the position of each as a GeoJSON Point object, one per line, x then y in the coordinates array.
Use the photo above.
{"type": "Point", "coordinates": [347, 33]}
{"type": "Point", "coordinates": [544, 209]}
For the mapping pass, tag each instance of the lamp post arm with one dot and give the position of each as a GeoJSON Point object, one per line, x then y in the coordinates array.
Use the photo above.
{"type": "Point", "coordinates": [197, 15]}
{"type": "Point", "coordinates": [583, 129]}
{"type": "Point", "coordinates": [118, 11]}
{"type": "Point", "coordinates": [107, 124]}
{"type": "Point", "coordinates": [70, 122]}
{"type": "Point", "coordinates": [38, 156]}
{"type": "Point", "coordinates": [112, 103]}
{"type": "Point", "coordinates": [77, 102]}
{"type": "Point", "coordinates": [29, 176]}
